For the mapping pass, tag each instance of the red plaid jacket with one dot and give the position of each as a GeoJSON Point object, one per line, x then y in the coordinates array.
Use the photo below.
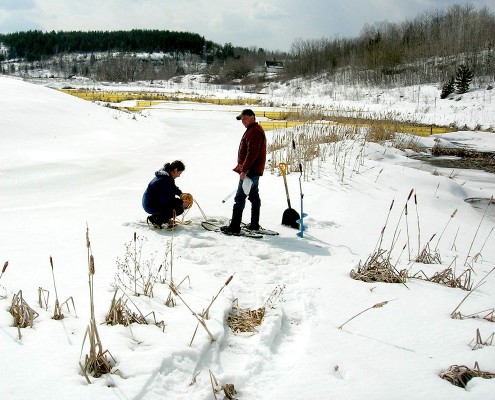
{"type": "Point", "coordinates": [251, 156]}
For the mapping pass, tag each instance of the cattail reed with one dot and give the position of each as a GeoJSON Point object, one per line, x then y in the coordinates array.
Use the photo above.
{"type": "Point", "coordinates": [445, 227]}
{"type": "Point", "coordinates": [4, 268]}
{"type": "Point", "coordinates": [205, 314]}
{"type": "Point", "coordinates": [417, 221]}
{"type": "Point", "coordinates": [91, 265]}
{"type": "Point", "coordinates": [476, 233]}
{"type": "Point", "coordinates": [378, 305]}
{"type": "Point", "coordinates": [404, 210]}
{"type": "Point", "coordinates": [96, 361]}
{"type": "Point", "coordinates": [53, 277]}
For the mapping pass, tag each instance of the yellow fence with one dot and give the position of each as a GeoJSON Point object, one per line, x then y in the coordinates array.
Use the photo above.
{"type": "Point", "coordinates": [149, 99]}
{"type": "Point", "coordinates": [278, 119]}
{"type": "Point", "coordinates": [423, 130]}
{"type": "Point", "coordinates": [271, 125]}
{"type": "Point", "coordinates": [147, 103]}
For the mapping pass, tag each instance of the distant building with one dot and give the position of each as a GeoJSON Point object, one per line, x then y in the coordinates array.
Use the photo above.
{"type": "Point", "coordinates": [274, 66]}
{"type": "Point", "coordinates": [3, 50]}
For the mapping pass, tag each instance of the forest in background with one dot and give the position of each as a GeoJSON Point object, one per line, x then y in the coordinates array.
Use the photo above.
{"type": "Point", "coordinates": [427, 49]}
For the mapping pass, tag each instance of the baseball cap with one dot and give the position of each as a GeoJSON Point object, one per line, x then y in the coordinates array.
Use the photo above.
{"type": "Point", "coordinates": [247, 111]}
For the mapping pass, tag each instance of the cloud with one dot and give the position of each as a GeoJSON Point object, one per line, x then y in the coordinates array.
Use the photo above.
{"type": "Point", "coordinates": [269, 24]}
{"type": "Point", "coordinates": [13, 5]}
{"type": "Point", "coordinates": [16, 16]}
{"type": "Point", "coordinates": [270, 12]}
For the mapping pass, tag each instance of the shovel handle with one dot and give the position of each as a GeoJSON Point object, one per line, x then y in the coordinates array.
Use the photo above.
{"type": "Point", "coordinates": [283, 169]}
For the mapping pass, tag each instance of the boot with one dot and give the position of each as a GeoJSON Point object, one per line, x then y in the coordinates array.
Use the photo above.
{"type": "Point", "coordinates": [255, 219]}
{"type": "Point", "coordinates": [235, 223]}
{"type": "Point", "coordinates": [154, 221]}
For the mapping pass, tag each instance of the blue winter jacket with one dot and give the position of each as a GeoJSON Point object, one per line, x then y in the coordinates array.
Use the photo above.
{"type": "Point", "coordinates": [161, 195]}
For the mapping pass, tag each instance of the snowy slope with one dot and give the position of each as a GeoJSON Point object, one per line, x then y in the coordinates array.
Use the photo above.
{"type": "Point", "coordinates": [67, 164]}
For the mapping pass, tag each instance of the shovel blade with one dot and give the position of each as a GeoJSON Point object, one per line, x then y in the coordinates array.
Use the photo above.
{"type": "Point", "coordinates": [290, 218]}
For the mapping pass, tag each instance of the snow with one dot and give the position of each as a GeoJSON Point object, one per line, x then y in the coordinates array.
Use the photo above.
{"type": "Point", "coordinates": [68, 165]}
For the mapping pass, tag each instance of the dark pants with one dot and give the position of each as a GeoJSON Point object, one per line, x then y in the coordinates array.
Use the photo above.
{"type": "Point", "coordinates": [163, 216]}
{"type": "Point", "coordinates": [253, 197]}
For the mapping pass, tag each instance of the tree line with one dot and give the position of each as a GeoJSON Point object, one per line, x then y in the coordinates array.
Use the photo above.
{"type": "Point", "coordinates": [125, 55]}
{"type": "Point", "coordinates": [426, 49]}
{"type": "Point", "coordinates": [36, 45]}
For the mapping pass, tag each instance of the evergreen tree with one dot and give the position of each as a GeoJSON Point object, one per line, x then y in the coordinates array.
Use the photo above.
{"type": "Point", "coordinates": [448, 87]}
{"type": "Point", "coordinates": [463, 79]}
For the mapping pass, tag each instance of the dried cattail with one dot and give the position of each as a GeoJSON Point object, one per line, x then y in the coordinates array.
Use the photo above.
{"type": "Point", "coordinates": [5, 266]}
{"type": "Point", "coordinates": [228, 280]}
{"type": "Point", "coordinates": [173, 289]}
{"type": "Point", "coordinates": [378, 305]}
{"type": "Point", "coordinates": [91, 265]}
{"type": "Point", "coordinates": [88, 243]}
{"type": "Point", "coordinates": [410, 194]}
{"type": "Point", "coordinates": [454, 213]}
{"type": "Point", "coordinates": [51, 262]}
{"type": "Point", "coordinates": [135, 236]}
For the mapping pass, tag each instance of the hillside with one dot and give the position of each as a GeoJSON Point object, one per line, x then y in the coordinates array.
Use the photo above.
{"type": "Point", "coordinates": [428, 49]}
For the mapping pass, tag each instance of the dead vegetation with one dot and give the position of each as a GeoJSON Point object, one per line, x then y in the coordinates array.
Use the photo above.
{"type": "Point", "coordinates": [242, 320]}
{"type": "Point", "coordinates": [479, 342]}
{"type": "Point", "coordinates": [120, 313]}
{"type": "Point", "coordinates": [427, 256]}
{"type": "Point", "coordinates": [311, 144]}
{"type": "Point", "coordinates": [487, 315]}
{"type": "Point", "coordinates": [447, 278]}
{"type": "Point", "coordinates": [96, 361]}
{"type": "Point", "coordinates": [460, 375]}
{"type": "Point", "coordinates": [227, 388]}
{"type": "Point", "coordinates": [322, 136]}
{"type": "Point", "coordinates": [23, 314]}
{"type": "Point", "coordinates": [378, 305]}
{"type": "Point", "coordinates": [378, 268]}
{"type": "Point", "coordinates": [57, 311]}
{"type": "Point", "coordinates": [5, 265]}
{"type": "Point", "coordinates": [458, 315]}
{"type": "Point", "coordinates": [199, 317]}
{"type": "Point", "coordinates": [205, 315]}
{"type": "Point", "coordinates": [245, 320]}
{"type": "Point", "coordinates": [134, 274]}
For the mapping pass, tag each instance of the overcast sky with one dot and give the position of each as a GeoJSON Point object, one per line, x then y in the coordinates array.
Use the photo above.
{"type": "Point", "coordinates": [269, 24]}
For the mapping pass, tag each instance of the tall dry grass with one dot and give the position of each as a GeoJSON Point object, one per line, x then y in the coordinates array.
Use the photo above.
{"type": "Point", "coordinates": [97, 361]}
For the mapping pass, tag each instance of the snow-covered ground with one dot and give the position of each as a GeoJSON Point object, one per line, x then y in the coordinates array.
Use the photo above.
{"type": "Point", "coordinates": [68, 165]}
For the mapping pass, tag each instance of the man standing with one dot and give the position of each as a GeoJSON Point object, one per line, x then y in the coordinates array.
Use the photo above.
{"type": "Point", "coordinates": [251, 158]}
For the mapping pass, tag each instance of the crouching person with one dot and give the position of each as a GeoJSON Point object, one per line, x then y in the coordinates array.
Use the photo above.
{"type": "Point", "coordinates": [162, 198]}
